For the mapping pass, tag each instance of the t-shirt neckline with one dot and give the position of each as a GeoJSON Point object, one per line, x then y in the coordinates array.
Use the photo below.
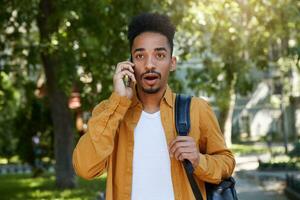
{"type": "Point", "coordinates": [151, 115]}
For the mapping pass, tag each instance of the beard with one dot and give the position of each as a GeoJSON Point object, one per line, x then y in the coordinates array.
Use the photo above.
{"type": "Point", "coordinates": [151, 90]}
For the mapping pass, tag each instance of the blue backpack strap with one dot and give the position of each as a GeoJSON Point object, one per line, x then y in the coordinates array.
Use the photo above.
{"type": "Point", "coordinates": [182, 124]}
{"type": "Point", "coordinates": [182, 114]}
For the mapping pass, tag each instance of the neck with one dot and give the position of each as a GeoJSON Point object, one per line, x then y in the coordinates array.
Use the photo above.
{"type": "Point", "coordinates": [150, 102]}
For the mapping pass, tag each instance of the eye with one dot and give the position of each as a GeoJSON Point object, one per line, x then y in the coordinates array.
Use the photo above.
{"type": "Point", "coordinates": [139, 56]}
{"type": "Point", "coordinates": [160, 55]}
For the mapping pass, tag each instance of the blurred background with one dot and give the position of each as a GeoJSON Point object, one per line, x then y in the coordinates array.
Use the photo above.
{"type": "Point", "coordinates": [57, 59]}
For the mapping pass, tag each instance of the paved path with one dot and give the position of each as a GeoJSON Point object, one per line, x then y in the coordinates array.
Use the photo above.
{"type": "Point", "coordinates": [250, 190]}
{"type": "Point", "coordinates": [252, 185]}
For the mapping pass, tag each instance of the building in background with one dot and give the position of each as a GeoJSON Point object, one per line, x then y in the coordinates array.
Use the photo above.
{"type": "Point", "coordinates": [272, 109]}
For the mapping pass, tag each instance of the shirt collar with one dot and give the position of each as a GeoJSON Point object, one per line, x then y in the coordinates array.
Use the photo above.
{"type": "Point", "coordinates": [168, 97]}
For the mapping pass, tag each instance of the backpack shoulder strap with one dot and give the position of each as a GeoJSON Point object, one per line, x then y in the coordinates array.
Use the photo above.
{"type": "Point", "coordinates": [183, 124]}
{"type": "Point", "coordinates": [182, 114]}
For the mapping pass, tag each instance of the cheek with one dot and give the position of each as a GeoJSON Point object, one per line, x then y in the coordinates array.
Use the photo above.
{"type": "Point", "coordinates": [137, 73]}
{"type": "Point", "coordinates": [165, 72]}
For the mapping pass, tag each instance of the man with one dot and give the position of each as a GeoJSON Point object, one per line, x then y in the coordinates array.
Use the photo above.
{"type": "Point", "coordinates": [132, 135]}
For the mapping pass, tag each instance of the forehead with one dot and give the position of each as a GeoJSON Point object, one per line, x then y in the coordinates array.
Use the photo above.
{"type": "Point", "coordinates": [150, 40]}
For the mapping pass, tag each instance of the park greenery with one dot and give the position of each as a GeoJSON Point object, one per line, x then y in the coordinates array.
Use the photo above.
{"type": "Point", "coordinates": [49, 48]}
{"type": "Point", "coordinates": [21, 187]}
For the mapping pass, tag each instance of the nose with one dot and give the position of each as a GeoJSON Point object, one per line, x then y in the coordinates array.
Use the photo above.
{"type": "Point", "coordinates": [150, 63]}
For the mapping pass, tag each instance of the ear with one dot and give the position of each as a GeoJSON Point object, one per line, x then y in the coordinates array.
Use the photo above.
{"type": "Point", "coordinates": [173, 63]}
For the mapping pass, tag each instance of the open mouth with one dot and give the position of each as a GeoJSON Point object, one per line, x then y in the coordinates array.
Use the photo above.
{"type": "Point", "coordinates": [151, 78]}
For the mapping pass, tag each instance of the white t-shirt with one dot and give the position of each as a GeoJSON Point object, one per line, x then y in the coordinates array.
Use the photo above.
{"type": "Point", "coordinates": [151, 178]}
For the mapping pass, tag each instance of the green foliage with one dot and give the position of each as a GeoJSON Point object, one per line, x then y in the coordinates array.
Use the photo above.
{"type": "Point", "coordinates": [282, 166]}
{"type": "Point", "coordinates": [26, 187]}
{"type": "Point", "coordinates": [25, 116]}
{"type": "Point", "coordinates": [90, 35]}
{"type": "Point", "coordinates": [9, 101]}
{"type": "Point", "coordinates": [252, 149]}
{"type": "Point", "coordinates": [33, 120]}
{"type": "Point", "coordinates": [279, 162]}
{"type": "Point", "coordinates": [231, 38]}
{"type": "Point", "coordinates": [77, 42]}
{"type": "Point", "coordinates": [293, 186]}
{"type": "Point", "coordinates": [295, 153]}
{"type": "Point", "coordinates": [243, 149]}
{"type": "Point", "coordinates": [88, 38]}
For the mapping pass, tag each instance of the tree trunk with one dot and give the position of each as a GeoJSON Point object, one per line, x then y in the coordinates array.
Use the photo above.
{"type": "Point", "coordinates": [48, 22]}
{"type": "Point", "coordinates": [226, 106]}
{"type": "Point", "coordinates": [227, 126]}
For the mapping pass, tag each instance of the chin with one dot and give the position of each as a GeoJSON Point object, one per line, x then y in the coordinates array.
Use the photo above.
{"type": "Point", "coordinates": [151, 90]}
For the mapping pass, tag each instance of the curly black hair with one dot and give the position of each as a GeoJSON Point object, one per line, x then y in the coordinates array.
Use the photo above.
{"type": "Point", "coordinates": [152, 22]}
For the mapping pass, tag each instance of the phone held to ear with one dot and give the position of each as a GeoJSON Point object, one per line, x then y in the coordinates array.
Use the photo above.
{"type": "Point", "coordinates": [126, 78]}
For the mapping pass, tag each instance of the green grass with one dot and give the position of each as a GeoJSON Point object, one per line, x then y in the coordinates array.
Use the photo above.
{"type": "Point", "coordinates": [252, 149]}
{"type": "Point", "coordinates": [25, 187]}
{"type": "Point", "coordinates": [241, 149]}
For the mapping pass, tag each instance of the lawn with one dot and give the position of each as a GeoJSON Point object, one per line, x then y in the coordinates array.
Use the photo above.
{"type": "Point", "coordinates": [25, 187]}
{"type": "Point", "coordinates": [252, 149]}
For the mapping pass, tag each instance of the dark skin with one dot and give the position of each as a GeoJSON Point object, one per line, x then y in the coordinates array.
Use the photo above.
{"type": "Point", "coordinates": [151, 52]}
{"type": "Point", "coordinates": [184, 147]}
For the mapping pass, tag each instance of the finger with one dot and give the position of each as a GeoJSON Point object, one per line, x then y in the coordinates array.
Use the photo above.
{"type": "Point", "coordinates": [132, 77]}
{"type": "Point", "coordinates": [124, 66]}
{"type": "Point", "coordinates": [120, 75]}
{"type": "Point", "coordinates": [179, 145]}
{"type": "Point", "coordinates": [127, 66]}
{"type": "Point", "coordinates": [193, 158]}
{"type": "Point", "coordinates": [187, 156]}
{"type": "Point", "coordinates": [185, 150]}
{"type": "Point", "coordinates": [181, 139]}
{"type": "Point", "coordinates": [184, 156]}
{"type": "Point", "coordinates": [128, 62]}
{"type": "Point", "coordinates": [126, 72]}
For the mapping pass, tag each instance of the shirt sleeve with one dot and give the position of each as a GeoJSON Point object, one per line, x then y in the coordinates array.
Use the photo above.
{"type": "Point", "coordinates": [217, 161]}
{"type": "Point", "coordinates": [91, 154]}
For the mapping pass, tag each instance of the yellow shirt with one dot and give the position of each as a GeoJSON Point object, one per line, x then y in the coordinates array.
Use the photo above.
{"type": "Point", "coordinates": [108, 145]}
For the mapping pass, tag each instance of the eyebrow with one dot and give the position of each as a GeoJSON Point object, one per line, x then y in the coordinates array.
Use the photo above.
{"type": "Point", "coordinates": [161, 49]}
{"type": "Point", "coordinates": [156, 49]}
{"type": "Point", "coordinates": [138, 49]}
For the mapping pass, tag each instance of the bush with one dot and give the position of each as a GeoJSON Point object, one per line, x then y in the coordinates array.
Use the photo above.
{"type": "Point", "coordinates": [295, 153]}
{"type": "Point", "coordinates": [293, 182]}
{"type": "Point", "coordinates": [290, 165]}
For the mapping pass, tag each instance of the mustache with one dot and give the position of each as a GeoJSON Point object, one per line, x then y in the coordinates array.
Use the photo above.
{"type": "Point", "coordinates": [151, 72]}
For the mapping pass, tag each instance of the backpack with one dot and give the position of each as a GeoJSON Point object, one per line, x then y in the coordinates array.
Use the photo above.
{"type": "Point", "coordinates": [222, 191]}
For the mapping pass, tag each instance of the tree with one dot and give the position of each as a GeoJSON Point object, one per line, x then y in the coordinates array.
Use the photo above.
{"type": "Point", "coordinates": [75, 42]}
{"type": "Point", "coordinates": [78, 43]}
{"type": "Point", "coordinates": [230, 38]}
{"type": "Point", "coordinates": [9, 98]}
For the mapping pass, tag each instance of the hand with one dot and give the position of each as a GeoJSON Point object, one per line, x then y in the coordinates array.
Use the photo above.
{"type": "Point", "coordinates": [122, 69]}
{"type": "Point", "coordinates": [184, 147]}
